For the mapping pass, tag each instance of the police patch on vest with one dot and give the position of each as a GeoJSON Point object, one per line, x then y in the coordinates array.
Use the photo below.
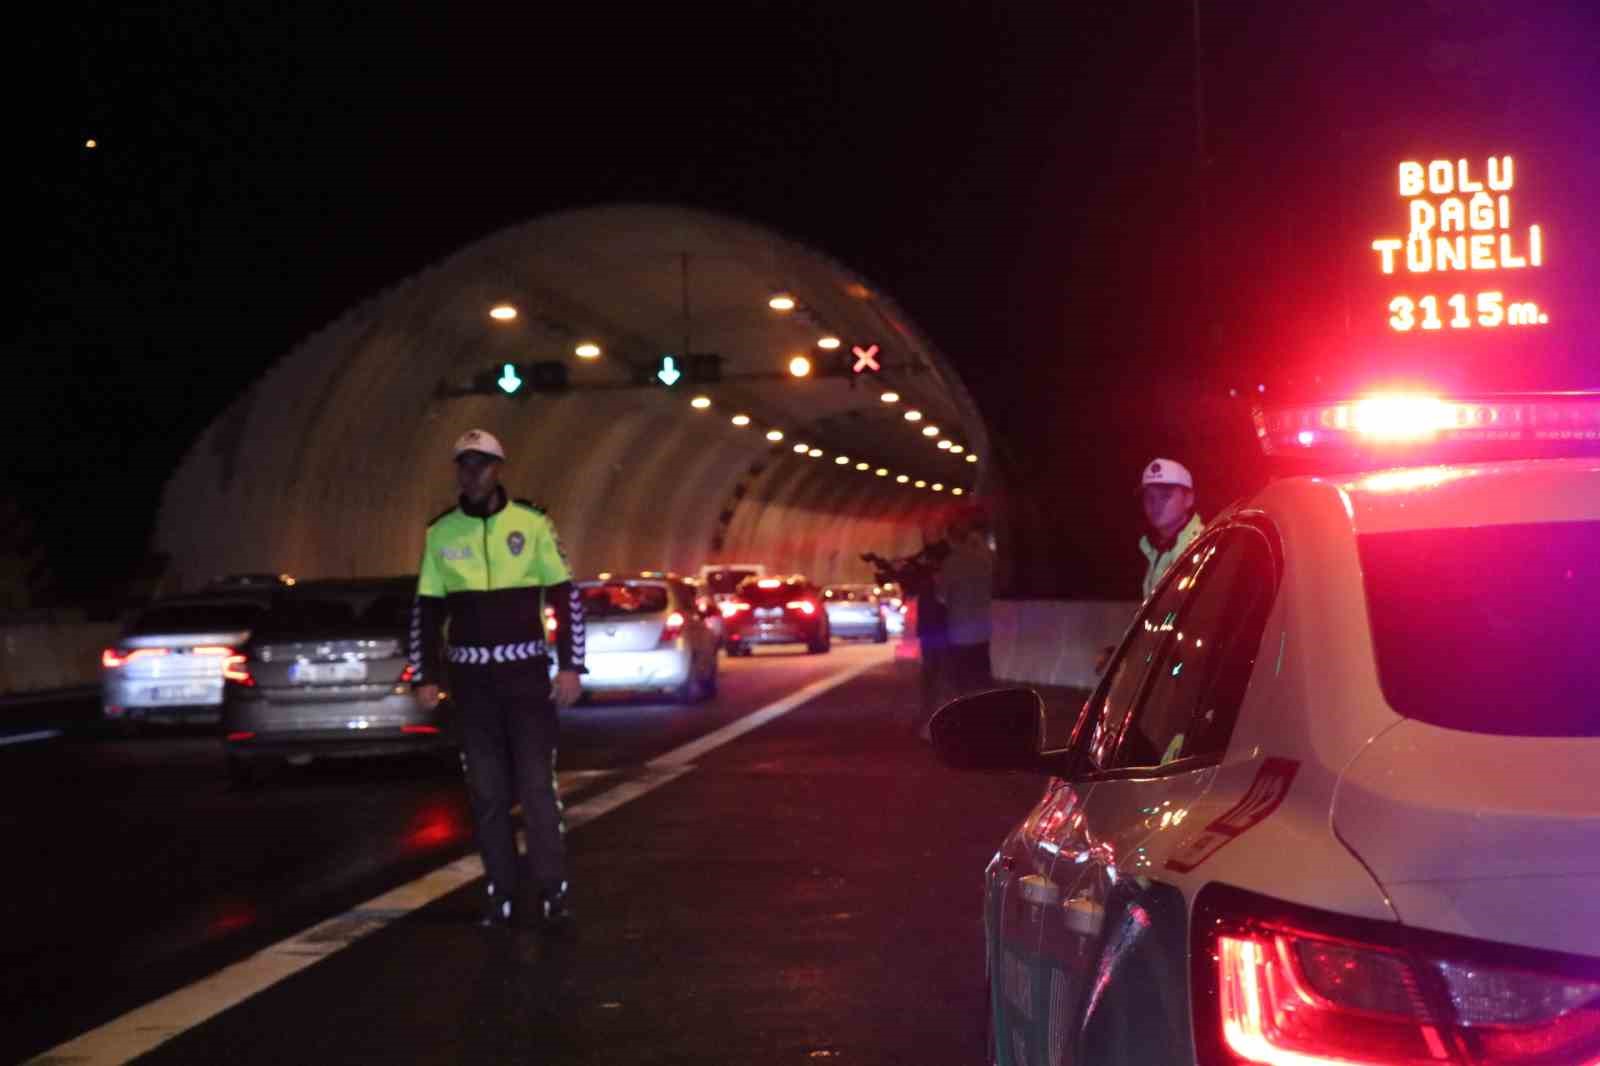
{"type": "Point", "coordinates": [516, 542]}
{"type": "Point", "coordinates": [455, 555]}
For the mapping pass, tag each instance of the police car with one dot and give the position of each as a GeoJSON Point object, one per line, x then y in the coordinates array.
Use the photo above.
{"type": "Point", "coordinates": [1334, 799]}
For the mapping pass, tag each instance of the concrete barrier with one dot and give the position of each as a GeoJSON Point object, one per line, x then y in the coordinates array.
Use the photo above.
{"type": "Point", "coordinates": [1054, 642]}
{"type": "Point", "coordinates": [48, 656]}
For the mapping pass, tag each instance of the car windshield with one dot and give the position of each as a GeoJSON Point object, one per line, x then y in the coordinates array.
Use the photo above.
{"type": "Point", "coordinates": [321, 613]}
{"type": "Point", "coordinates": [1487, 629]}
{"type": "Point", "coordinates": [726, 582]}
{"type": "Point", "coordinates": [756, 596]}
{"type": "Point", "coordinates": [616, 598]}
{"type": "Point", "coordinates": [210, 617]}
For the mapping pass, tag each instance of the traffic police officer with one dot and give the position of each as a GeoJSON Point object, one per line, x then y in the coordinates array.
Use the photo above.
{"type": "Point", "coordinates": [489, 567]}
{"type": "Point", "coordinates": [1166, 492]}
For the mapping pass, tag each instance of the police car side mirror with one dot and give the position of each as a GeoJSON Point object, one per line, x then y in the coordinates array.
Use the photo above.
{"type": "Point", "coordinates": [996, 730]}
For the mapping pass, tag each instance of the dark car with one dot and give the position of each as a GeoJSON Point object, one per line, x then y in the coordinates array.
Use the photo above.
{"type": "Point", "coordinates": [776, 610]}
{"type": "Point", "coordinates": [325, 673]}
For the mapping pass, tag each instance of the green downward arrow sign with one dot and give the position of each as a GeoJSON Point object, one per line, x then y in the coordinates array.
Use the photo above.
{"type": "Point", "coordinates": [509, 382]}
{"type": "Point", "coordinates": [669, 372]}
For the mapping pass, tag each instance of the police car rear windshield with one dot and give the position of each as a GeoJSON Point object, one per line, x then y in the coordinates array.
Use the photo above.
{"type": "Point", "coordinates": [618, 599]}
{"type": "Point", "coordinates": [1488, 629]}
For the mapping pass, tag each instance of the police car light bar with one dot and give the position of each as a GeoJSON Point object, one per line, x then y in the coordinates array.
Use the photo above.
{"type": "Point", "coordinates": [1411, 424]}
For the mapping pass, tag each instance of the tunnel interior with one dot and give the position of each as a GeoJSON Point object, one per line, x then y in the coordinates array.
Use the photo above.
{"type": "Point", "coordinates": [332, 463]}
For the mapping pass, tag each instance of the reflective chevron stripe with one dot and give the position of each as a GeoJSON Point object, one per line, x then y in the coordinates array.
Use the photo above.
{"type": "Point", "coordinates": [483, 654]}
{"type": "Point", "coordinates": [580, 634]}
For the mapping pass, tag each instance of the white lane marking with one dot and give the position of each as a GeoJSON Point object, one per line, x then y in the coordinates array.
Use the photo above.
{"type": "Point", "coordinates": [145, 1028]}
{"type": "Point", "coordinates": [30, 738]}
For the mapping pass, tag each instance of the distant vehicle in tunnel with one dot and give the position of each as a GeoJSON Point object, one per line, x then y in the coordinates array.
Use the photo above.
{"type": "Point", "coordinates": [325, 674]}
{"type": "Point", "coordinates": [776, 610]}
{"type": "Point", "coordinates": [167, 664]}
{"type": "Point", "coordinates": [856, 611]}
{"type": "Point", "coordinates": [228, 582]}
{"type": "Point", "coordinates": [646, 635]}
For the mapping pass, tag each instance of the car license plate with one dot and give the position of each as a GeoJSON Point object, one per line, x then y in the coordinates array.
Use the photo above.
{"type": "Point", "coordinates": [175, 693]}
{"type": "Point", "coordinates": [326, 673]}
{"type": "Point", "coordinates": [769, 612]}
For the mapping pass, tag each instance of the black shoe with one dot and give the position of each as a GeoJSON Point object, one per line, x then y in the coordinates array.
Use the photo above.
{"type": "Point", "coordinates": [498, 911]}
{"type": "Point", "coordinates": [555, 908]}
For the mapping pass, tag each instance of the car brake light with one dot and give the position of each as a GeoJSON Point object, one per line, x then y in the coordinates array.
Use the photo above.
{"type": "Point", "coordinates": [242, 735]}
{"type": "Point", "coordinates": [769, 583]}
{"type": "Point", "coordinates": [111, 658]}
{"type": "Point", "coordinates": [803, 606]}
{"type": "Point", "coordinates": [1288, 987]}
{"type": "Point", "coordinates": [236, 668]}
{"type": "Point", "coordinates": [674, 627]}
{"type": "Point", "coordinates": [729, 608]}
{"type": "Point", "coordinates": [407, 674]}
{"type": "Point", "coordinates": [420, 730]}
{"type": "Point", "coordinates": [550, 623]}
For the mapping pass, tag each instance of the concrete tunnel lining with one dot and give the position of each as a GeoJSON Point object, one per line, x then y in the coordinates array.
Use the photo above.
{"type": "Point", "coordinates": [333, 460]}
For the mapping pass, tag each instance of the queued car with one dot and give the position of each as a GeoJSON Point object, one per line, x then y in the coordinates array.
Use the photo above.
{"type": "Point", "coordinates": [856, 611]}
{"type": "Point", "coordinates": [1330, 801]}
{"type": "Point", "coordinates": [776, 610]}
{"type": "Point", "coordinates": [167, 664]}
{"type": "Point", "coordinates": [325, 674]}
{"type": "Point", "coordinates": [895, 606]}
{"type": "Point", "coordinates": [647, 634]}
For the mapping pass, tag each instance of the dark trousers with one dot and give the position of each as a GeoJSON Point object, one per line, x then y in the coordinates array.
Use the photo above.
{"type": "Point", "coordinates": [508, 733]}
{"type": "Point", "coordinates": [950, 671]}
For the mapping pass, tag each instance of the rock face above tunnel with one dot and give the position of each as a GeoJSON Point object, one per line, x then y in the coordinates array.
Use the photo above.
{"type": "Point", "coordinates": [334, 460]}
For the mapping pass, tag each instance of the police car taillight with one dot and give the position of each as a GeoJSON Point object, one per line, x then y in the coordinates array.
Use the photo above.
{"type": "Point", "coordinates": [1416, 425]}
{"type": "Point", "coordinates": [1281, 985]}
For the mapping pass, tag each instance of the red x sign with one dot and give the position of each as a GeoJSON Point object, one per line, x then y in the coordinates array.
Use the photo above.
{"type": "Point", "coordinates": [866, 358]}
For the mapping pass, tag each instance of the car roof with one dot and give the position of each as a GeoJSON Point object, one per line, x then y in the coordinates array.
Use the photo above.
{"type": "Point", "coordinates": [1456, 495]}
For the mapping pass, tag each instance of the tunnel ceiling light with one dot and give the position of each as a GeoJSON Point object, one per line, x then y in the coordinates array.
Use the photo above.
{"type": "Point", "coordinates": [740, 420]}
{"type": "Point", "coordinates": [956, 449]}
{"type": "Point", "coordinates": [921, 484]}
{"type": "Point", "coordinates": [801, 449]}
{"type": "Point", "coordinates": [971, 457]}
{"type": "Point", "coordinates": [815, 453]}
{"type": "Point", "coordinates": [913, 415]}
{"type": "Point", "coordinates": [937, 487]}
{"type": "Point", "coordinates": [903, 479]}
{"type": "Point", "coordinates": [882, 471]}
{"type": "Point", "coordinates": [503, 313]}
{"type": "Point", "coordinates": [958, 492]}
{"type": "Point", "coordinates": [700, 403]}
{"type": "Point", "coordinates": [774, 435]}
{"type": "Point", "coordinates": [800, 367]}
{"type": "Point", "coordinates": [828, 343]}
{"type": "Point", "coordinates": [944, 446]}
{"type": "Point", "coordinates": [930, 431]}
{"type": "Point", "coordinates": [781, 301]}
{"type": "Point", "coordinates": [587, 350]}
{"type": "Point", "coordinates": [843, 460]}
{"type": "Point", "coordinates": [890, 397]}
{"type": "Point", "coordinates": [863, 466]}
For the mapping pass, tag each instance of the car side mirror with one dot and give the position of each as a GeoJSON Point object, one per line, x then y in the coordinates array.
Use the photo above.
{"type": "Point", "coordinates": [996, 730]}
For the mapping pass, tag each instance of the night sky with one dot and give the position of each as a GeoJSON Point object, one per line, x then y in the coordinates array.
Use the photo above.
{"type": "Point", "coordinates": [1026, 179]}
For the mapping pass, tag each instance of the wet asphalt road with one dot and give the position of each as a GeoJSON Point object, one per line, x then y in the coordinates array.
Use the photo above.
{"type": "Point", "coordinates": [806, 892]}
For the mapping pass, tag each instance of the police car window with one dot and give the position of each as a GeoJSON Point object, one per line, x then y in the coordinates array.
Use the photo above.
{"type": "Point", "coordinates": [1192, 699]}
{"type": "Point", "coordinates": [1488, 629]}
{"type": "Point", "coordinates": [1109, 716]}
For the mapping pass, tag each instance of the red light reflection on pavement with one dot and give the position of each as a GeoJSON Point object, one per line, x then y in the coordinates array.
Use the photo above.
{"type": "Point", "coordinates": [436, 827]}
{"type": "Point", "coordinates": [234, 916]}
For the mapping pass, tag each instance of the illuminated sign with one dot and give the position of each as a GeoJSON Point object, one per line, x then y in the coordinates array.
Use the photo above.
{"type": "Point", "coordinates": [866, 358]}
{"type": "Point", "coordinates": [1461, 218]}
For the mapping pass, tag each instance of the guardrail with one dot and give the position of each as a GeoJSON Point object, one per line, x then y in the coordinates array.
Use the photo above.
{"type": "Point", "coordinates": [38, 657]}
{"type": "Point", "coordinates": [1054, 642]}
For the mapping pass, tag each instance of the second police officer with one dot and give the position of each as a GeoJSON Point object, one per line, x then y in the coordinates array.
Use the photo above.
{"type": "Point", "coordinates": [490, 566]}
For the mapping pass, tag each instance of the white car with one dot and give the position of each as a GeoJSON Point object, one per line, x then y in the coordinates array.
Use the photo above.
{"type": "Point", "coordinates": [1330, 802]}
{"type": "Point", "coordinates": [647, 635]}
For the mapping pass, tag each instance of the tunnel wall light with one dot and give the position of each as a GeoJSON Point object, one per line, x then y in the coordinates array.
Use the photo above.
{"type": "Point", "coordinates": [828, 344]}
{"type": "Point", "coordinates": [740, 420]}
{"type": "Point", "coordinates": [890, 397]}
{"type": "Point", "coordinates": [930, 431]}
{"type": "Point", "coordinates": [913, 415]}
{"type": "Point", "coordinates": [503, 313]}
{"type": "Point", "coordinates": [774, 435]}
{"type": "Point", "coordinates": [700, 403]}
{"type": "Point", "coordinates": [800, 367]}
{"type": "Point", "coordinates": [781, 301]}
{"type": "Point", "coordinates": [587, 350]}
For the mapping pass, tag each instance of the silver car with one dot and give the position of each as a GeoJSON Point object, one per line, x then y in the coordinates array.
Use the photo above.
{"type": "Point", "coordinates": [325, 674]}
{"type": "Point", "coordinates": [856, 611]}
{"type": "Point", "coordinates": [168, 663]}
{"type": "Point", "coordinates": [648, 635]}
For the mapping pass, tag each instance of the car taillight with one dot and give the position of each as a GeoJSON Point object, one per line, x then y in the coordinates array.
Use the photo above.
{"type": "Point", "coordinates": [112, 658]}
{"type": "Point", "coordinates": [729, 608]}
{"type": "Point", "coordinates": [407, 674]}
{"type": "Point", "coordinates": [1286, 986]}
{"type": "Point", "coordinates": [673, 629]}
{"type": "Point", "coordinates": [550, 623]}
{"type": "Point", "coordinates": [236, 668]}
{"type": "Point", "coordinates": [803, 606]}
{"type": "Point", "coordinates": [211, 649]}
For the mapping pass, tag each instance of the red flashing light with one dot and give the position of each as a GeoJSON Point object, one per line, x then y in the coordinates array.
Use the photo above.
{"type": "Point", "coordinates": [1304, 991]}
{"type": "Point", "coordinates": [241, 736]}
{"type": "Point", "coordinates": [803, 606]}
{"type": "Point", "coordinates": [1411, 422]}
{"type": "Point", "coordinates": [236, 668]}
{"type": "Point", "coordinates": [421, 730]}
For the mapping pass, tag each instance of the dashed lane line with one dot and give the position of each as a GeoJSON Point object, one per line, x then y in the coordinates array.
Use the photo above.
{"type": "Point", "coordinates": [145, 1028]}
{"type": "Point", "coordinates": [30, 738]}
